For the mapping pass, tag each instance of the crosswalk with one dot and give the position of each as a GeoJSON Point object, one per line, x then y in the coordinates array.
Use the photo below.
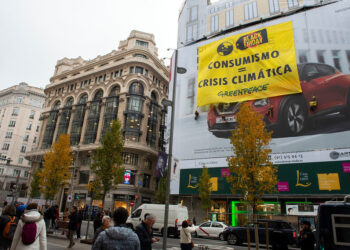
{"type": "Point", "coordinates": [210, 247]}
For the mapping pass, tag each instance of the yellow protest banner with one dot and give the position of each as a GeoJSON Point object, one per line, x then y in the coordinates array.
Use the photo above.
{"type": "Point", "coordinates": [252, 65]}
{"type": "Point", "coordinates": [328, 181]}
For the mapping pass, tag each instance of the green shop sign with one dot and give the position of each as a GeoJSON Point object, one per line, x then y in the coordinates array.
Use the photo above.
{"type": "Point", "coordinates": [304, 178]}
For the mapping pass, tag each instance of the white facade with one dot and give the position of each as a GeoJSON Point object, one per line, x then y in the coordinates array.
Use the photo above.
{"type": "Point", "coordinates": [20, 110]}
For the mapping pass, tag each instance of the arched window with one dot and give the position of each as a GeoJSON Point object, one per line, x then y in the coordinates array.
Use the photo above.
{"type": "Point", "coordinates": [93, 118]}
{"type": "Point", "coordinates": [133, 113]}
{"type": "Point", "coordinates": [111, 109]}
{"type": "Point", "coordinates": [78, 120]}
{"type": "Point", "coordinates": [50, 126]}
{"type": "Point", "coordinates": [136, 88]}
{"type": "Point", "coordinates": [65, 118]}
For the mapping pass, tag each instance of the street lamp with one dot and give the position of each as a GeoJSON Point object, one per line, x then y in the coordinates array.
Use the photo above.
{"type": "Point", "coordinates": [167, 103]}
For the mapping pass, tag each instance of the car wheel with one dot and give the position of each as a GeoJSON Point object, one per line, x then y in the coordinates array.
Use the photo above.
{"type": "Point", "coordinates": [294, 117]}
{"type": "Point", "coordinates": [232, 239]}
{"type": "Point", "coordinates": [221, 237]}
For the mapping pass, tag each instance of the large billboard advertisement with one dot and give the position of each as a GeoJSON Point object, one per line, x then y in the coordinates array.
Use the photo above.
{"type": "Point", "coordinates": [252, 65]}
{"type": "Point", "coordinates": [311, 126]}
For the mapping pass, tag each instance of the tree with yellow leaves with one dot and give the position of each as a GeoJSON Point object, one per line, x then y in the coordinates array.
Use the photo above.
{"type": "Point", "coordinates": [252, 173]}
{"type": "Point", "coordinates": [204, 189]}
{"type": "Point", "coordinates": [55, 168]}
{"type": "Point", "coordinates": [108, 161]}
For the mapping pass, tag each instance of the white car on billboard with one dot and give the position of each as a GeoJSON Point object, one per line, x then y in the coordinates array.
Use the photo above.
{"type": "Point", "coordinates": [211, 229]}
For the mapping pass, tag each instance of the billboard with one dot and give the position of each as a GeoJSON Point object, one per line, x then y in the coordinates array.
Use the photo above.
{"type": "Point", "coordinates": [308, 127]}
{"type": "Point", "coordinates": [251, 65]}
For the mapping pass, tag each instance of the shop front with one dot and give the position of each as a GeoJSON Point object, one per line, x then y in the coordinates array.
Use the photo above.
{"type": "Point", "coordinates": [123, 200]}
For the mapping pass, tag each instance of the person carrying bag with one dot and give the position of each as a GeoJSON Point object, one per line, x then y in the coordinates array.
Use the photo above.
{"type": "Point", "coordinates": [186, 242]}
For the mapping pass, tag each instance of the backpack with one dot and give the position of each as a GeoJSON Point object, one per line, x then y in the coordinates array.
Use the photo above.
{"type": "Point", "coordinates": [29, 233]}
{"type": "Point", "coordinates": [10, 228]}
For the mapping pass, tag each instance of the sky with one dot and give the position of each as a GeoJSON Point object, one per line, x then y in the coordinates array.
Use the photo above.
{"type": "Point", "coordinates": [34, 34]}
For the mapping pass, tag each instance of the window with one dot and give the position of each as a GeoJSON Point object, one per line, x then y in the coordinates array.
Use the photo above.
{"type": "Point", "coordinates": [116, 73]}
{"type": "Point", "coordinates": [341, 229]}
{"type": "Point", "coordinates": [1, 171]}
{"type": "Point", "coordinates": [23, 148]}
{"type": "Point", "coordinates": [192, 32]}
{"type": "Point", "coordinates": [305, 36]}
{"type": "Point", "coordinates": [293, 3]}
{"type": "Point", "coordinates": [146, 72]}
{"type": "Point", "coordinates": [148, 164]}
{"type": "Point", "coordinates": [146, 180]}
{"type": "Point", "coordinates": [130, 158]}
{"type": "Point", "coordinates": [18, 99]}
{"type": "Point", "coordinates": [26, 137]}
{"type": "Point", "coordinates": [215, 224]}
{"type": "Point", "coordinates": [190, 95]}
{"type": "Point", "coordinates": [214, 23]}
{"type": "Point", "coordinates": [15, 112]}
{"type": "Point", "coordinates": [303, 56]}
{"type": "Point", "coordinates": [192, 14]}
{"type": "Point", "coordinates": [250, 11]}
{"type": "Point", "coordinates": [141, 43]}
{"type": "Point", "coordinates": [139, 70]}
{"type": "Point", "coordinates": [84, 177]}
{"type": "Point", "coordinates": [137, 213]}
{"type": "Point", "coordinates": [12, 123]}
{"type": "Point", "coordinates": [336, 59]}
{"type": "Point", "coordinates": [207, 224]}
{"type": "Point", "coordinates": [16, 172]}
{"type": "Point", "coordinates": [140, 55]}
{"type": "Point", "coordinates": [131, 70]}
{"type": "Point", "coordinates": [32, 114]}
{"type": "Point", "coordinates": [133, 136]}
{"type": "Point", "coordinates": [313, 36]}
{"type": "Point", "coordinates": [37, 129]}
{"type": "Point", "coordinates": [229, 18]}
{"type": "Point", "coordinates": [320, 56]}
{"type": "Point", "coordinates": [8, 134]}
{"type": "Point", "coordinates": [5, 146]}
{"type": "Point", "coordinates": [34, 139]}
{"type": "Point", "coordinates": [29, 126]}
{"type": "Point", "coordinates": [274, 6]}
{"type": "Point", "coordinates": [20, 160]}
{"type": "Point", "coordinates": [26, 174]}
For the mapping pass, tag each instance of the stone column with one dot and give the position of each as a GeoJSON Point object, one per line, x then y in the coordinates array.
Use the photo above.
{"type": "Point", "coordinates": [82, 134]}
{"type": "Point", "coordinates": [100, 121]}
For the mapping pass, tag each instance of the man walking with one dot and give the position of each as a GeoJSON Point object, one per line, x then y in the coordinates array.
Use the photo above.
{"type": "Point", "coordinates": [118, 237]}
{"type": "Point", "coordinates": [306, 237]}
{"type": "Point", "coordinates": [145, 233]}
{"type": "Point", "coordinates": [72, 226]}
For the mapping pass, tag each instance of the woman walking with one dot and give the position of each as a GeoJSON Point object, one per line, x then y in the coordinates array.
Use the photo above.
{"type": "Point", "coordinates": [185, 235]}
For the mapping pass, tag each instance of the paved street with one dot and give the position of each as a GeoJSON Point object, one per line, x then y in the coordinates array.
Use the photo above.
{"type": "Point", "coordinates": [58, 244]}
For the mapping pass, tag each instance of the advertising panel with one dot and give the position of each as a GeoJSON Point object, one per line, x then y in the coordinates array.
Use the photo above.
{"type": "Point", "coordinates": [252, 65]}
{"type": "Point", "coordinates": [312, 126]}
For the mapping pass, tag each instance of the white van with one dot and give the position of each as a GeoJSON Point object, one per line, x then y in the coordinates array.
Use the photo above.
{"type": "Point", "coordinates": [177, 214]}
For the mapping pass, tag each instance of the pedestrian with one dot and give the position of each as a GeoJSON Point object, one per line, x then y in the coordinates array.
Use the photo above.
{"type": "Point", "coordinates": [98, 221]}
{"type": "Point", "coordinates": [306, 239]}
{"type": "Point", "coordinates": [194, 221]}
{"type": "Point", "coordinates": [47, 217]}
{"type": "Point", "coordinates": [119, 236]}
{"type": "Point", "coordinates": [31, 232]}
{"type": "Point", "coordinates": [80, 220]}
{"type": "Point", "coordinates": [185, 235]}
{"type": "Point", "coordinates": [145, 233]}
{"type": "Point", "coordinates": [72, 226]}
{"type": "Point", "coordinates": [106, 223]}
{"type": "Point", "coordinates": [8, 224]}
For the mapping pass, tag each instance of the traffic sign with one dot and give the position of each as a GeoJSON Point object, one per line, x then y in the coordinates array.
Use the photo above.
{"type": "Point", "coordinates": [132, 203]}
{"type": "Point", "coordinates": [69, 198]}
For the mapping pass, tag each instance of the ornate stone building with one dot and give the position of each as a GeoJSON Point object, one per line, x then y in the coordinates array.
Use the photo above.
{"type": "Point", "coordinates": [83, 97]}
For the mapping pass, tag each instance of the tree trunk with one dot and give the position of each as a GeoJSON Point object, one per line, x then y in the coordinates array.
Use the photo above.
{"type": "Point", "coordinates": [103, 199]}
{"type": "Point", "coordinates": [256, 232]}
{"type": "Point", "coordinates": [248, 234]}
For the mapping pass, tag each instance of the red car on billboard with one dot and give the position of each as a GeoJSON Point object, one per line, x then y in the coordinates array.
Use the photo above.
{"type": "Point", "coordinates": [326, 91]}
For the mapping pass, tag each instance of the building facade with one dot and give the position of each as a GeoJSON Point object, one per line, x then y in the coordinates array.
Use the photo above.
{"type": "Point", "coordinates": [312, 166]}
{"type": "Point", "coordinates": [20, 109]}
{"type": "Point", "coordinates": [83, 97]}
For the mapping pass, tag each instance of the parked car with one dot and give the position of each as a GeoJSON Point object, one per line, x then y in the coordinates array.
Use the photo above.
{"type": "Point", "coordinates": [238, 235]}
{"type": "Point", "coordinates": [326, 93]}
{"type": "Point", "coordinates": [212, 229]}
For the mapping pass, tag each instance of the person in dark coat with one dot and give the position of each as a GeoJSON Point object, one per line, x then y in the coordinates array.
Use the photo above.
{"type": "Point", "coordinates": [72, 226]}
{"type": "Point", "coordinates": [145, 233]}
{"type": "Point", "coordinates": [306, 237]}
{"type": "Point", "coordinates": [8, 212]}
{"type": "Point", "coordinates": [98, 221]}
{"type": "Point", "coordinates": [80, 220]}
